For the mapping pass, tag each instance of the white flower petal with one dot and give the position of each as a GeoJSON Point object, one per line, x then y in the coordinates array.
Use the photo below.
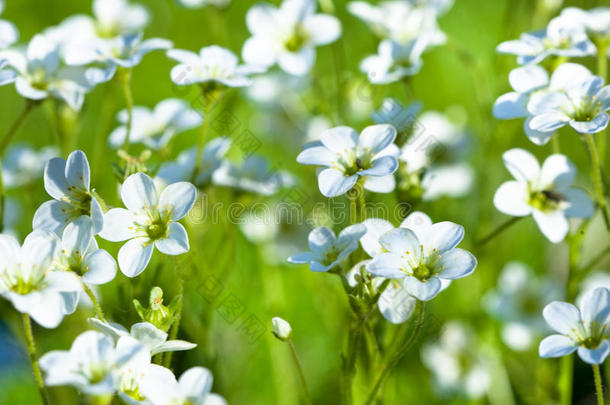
{"type": "Point", "coordinates": [556, 346]}
{"type": "Point", "coordinates": [511, 198]}
{"type": "Point", "coordinates": [423, 290]}
{"type": "Point", "coordinates": [176, 242]}
{"type": "Point", "coordinates": [333, 183]}
{"type": "Point", "coordinates": [554, 225]}
{"type": "Point", "coordinates": [134, 256]}
{"type": "Point", "coordinates": [118, 225]}
{"type": "Point", "coordinates": [138, 192]}
{"type": "Point", "coordinates": [101, 267]}
{"type": "Point", "coordinates": [562, 317]}
{"type": "Point", "coordinates": [178, 199]}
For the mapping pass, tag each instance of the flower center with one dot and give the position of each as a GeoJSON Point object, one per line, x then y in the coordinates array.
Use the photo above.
{"type": "Point", "coordinates": [586, 108]}
{"type": "Point", "coordinates": [545, 200]}
{"type": "Point", "coordinates": [298, 38]}
{"type": "Point", "coordinates": [156, 230]}
{"type": "Point", "coordinates": [330, 256]}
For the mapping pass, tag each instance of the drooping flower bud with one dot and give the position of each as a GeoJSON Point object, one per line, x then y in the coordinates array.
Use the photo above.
{"type": "Point", "coordinates": [281, 329]}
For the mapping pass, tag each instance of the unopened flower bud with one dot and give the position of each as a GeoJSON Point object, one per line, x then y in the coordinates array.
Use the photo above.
{"type": "Point", "coordinates": [158, 314]}
{"type": "Point", "coordinates": [281, 329]}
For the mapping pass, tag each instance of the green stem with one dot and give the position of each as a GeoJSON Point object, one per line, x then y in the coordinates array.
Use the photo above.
{"type": "Point", "coordinates": [555, 143]}
{"type": "Point", "coordinates": [353, 206]}
{"type": "Point", "coordinates": [167, 360]}
{"type": "Point", "coordinates": [297, 364]}
{"type": "Point", "coordinates": [598, 384]}
{"type": "Point", "coordinates": [96, 303]}
{"type": "Point", "coordinates": [6, 139]}
{"type": "Point", "coordinates": [399, 354]}
{"type": "Point", "coordinates": [566, 372]}
{"type": "Point", "coordinates": [124, 77]}
{"type": "Point", "coordinates": [29, 337]}
{"type": "Point", "coordinates": [209, 101]}
{"type": "Point", "coordinates": [498, 230]}
{"type": "Point", "coordinates": [597, 176]}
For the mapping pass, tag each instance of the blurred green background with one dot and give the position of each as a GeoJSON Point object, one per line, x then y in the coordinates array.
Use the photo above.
{"type": "Point", "coordinates": [229, 270]}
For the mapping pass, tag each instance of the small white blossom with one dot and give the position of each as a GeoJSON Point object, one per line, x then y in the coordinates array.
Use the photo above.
{"type": "Point", "coordinates": [349, 157]}
{"type": "Point", "coordinates": [28, 280]}
{"type": "Point", "coordinates": [583, 329]}
{"type": "Point", "coordinates": [393, 61]}
{"type": "Point", "coordinates": [156, 128]}
{"type": "Point", "coordinates": [254, 176]}
{"type": "Point", "coordinates": [193, 388]}
{"type": "Point", "coordinates": [150, 220]}
{"type": "Point", "coordinates": [23, 165]}
{"type": "Point", "coordinates": [327, 250]}
{"type": "Point", "coordinates": [288, 35]}
{"type": "Point", "coordinates": [281, 329]}
{"type": "Point", "coordinates": [8, 32]}
{"type": "Point", "coordinates": [544, 192]}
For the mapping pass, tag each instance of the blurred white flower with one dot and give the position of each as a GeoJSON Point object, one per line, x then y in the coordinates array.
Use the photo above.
{"type": "Point", "coordinates": [154, 339]}
{"type": "Point", "coordinates": [253, 176]}
{"type": "Point", "coordinates": [23, 165]}
{"type": "Point", "coordinates": [423, 255]}
{"type": "Point", "coordinates": [595, 279]}
{"type": "Point", "coordinates": [80, 254]}
{"type": "Point", "coordinates": [392, 62]}
{"type": "Point", "coordinates": [457, 366]}
{"type": "Point", "coordinates": [92, 365]}
{"type": "Point", "coordinates": [194, 386]}
{"type": "Point", "coordinates": [582, 105]}
{"type": "Point", "coordinates": [327, 250]}
{"type": "Point", "coordinates": [68, 182]}
{"type": "Point", "coordinates": [584, 329]}
{"type": "Point", "coordinates": [149, 221]}
{"type": "Point", "coordinates": [259, 226]}
{"type": "Point", "coordinates": [400, 117]}
{"type": "Point", "coordinates": [529, 84]}
{"type": "Point", "coordinates": [213, 66]}
{"type": "Point", "coordinates": [517, 302]}
{"type": "Point", "coordinates": [545, 193]}
{"type": "Point", "coordinates": [348, 157]}
{"type": "Point", "coordinates": [156, 128]}
{"type": "Point", "coordinates": [288, 35]}
{"type": "Point", "coordinates": [40, 75]}
{"type": "Point", "coordinates": [563, 37]}
{"type": "Point", "coordinates": [202, 3]}
{"type": "Point", "coordinates": [104, 55]}
{"type": "Point", "coordinates": [8, 32]}
{"type": "Point", "coordinates": [454, 181]}
{"type": "Point", "coordinates": [118, 17]}
{"type": "Point", "coordinates": [596, 20]}
{"type": "Point", "coordinates": [29, 282]}
{"type": "Point", "coordinates": [281, 329]}
{"type": "Point", "coordinates": [183, 168]}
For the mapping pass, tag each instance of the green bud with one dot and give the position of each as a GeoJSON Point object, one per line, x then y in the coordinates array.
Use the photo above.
{"type": "Point", "coordinates": [158, 314]}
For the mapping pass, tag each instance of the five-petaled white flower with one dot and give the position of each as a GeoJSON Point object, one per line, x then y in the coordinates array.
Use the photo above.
{"type": "Point", "coordinates": [92, 365]}
{"type": "Point", "coordinates": [108, 54]}
{"type": "Point", "coordinates": [288, 35]}
{"type": "Point", "coordinates": [156, 128]}
{"type": "Point", "coordinates": [423, 255]}
{"type": "Point", "coordinates": [118, 17]}
{"type": "Point", "coordinates": [530, 83]}
{"type": "Point", "coordinates": [563, 37]}
{"type": "Point", "coordinates": [183, 168]}
{"type": "Point", "coordinates": [545, 193]}
{"type": "Point", "coordinates": [39, 73]}
{"type": "Point", "coordinates": [213, 66]}
{"type": "Point", "coordinates": [393, 61]}
{"type": "Point", "coordinates": [585, 329]}
{"type": "Point", "coordinates": [68, 183]}
{"type": "Point", "coordinates": [154, 339]}
{"type": "Point", "coordinates": [348, 157]}
{"type": "Point", "coordinates": [582, 105]}
{"type": "Point", "coordinates": [596, 21]}
{"type": "Point", "coordinates": [194, 386]}
{"type": "Point", "coordinates": [150, 220]}
{"type": "Point", "coordinates": [80, 254]}
{"type": "Point", "coordinates": [254, 175]}
{"type": "Point", "coordinates": [29, 282]}
{"type": "Point", "coordinates": [326, 250]}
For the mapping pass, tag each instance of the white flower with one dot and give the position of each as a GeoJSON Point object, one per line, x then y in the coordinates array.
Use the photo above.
{"type": "Point", "coordinates": [183, 168]}
{"type": "Point", "coordinates": [394, 113]}
{"type": "Point", "coordinates": [213, 65]}
{"type": "Point", "coordinates": [8, 32]}
{"type": "Point", "coordinates": [154, 339]}
{"type": "Point", "coordinates": [150, 220]}
{"type": "Point", "coordinates": [563, 36]}
{"type": "Point", "coordinates": [545, 193]}
{"type": "Point", "coordinates": [281, 329]}
{"type": "Point", "coordinates": [40, 74]}
{"type": "Point", "coordinates": [254, 175]}
{"type": "Point", "coordinates": [594, 280]}
{"type": "Point", "coordinates": [288, 35]}
{"type": "Point", "coordinates": [453, 180]}
{"type": "Point", "coordinates": [348, 157]}
{"type": "Point", "coordinates": [596, 20]}
{"type": "Point", "coordinates": [68, 183]}
{"type": "Point", "coordinates": [457, 367]}
{"type": "Point", "coordinates": [530, 83]}
{"type": "Point", "coordinates": [23, 165]}
{"type": "Point", "coordinates": [156, 128]}
{"type": "Point", "coordinates": [131, 374]}
{"type": "Point", "coordinates": [202, 3]}
{"type": "Point", "coordinates": [393, 61]}
{"type": "Point", "coordinates": [403, 21]}
{"type": "Point", "coordinates": [582, 105]}
{"type": "Point", "coordinates": [517, 302]}
{"type": "Point", "coordinates": [584, 329]}
{"type": "Point", "coordinates": [29, 282]}
{"type": "Point", "coordinates": [423, 255]}
{"type": "Point", "coordinates": [193, 388]}
{"type": "Point", "coordinates": [80, 254]}
{"type": "Point", "coordinates": [108, 54]}
{"type": "Point", "coordinates": [118, 17]}
{"type": "Point", "coordinates": [91, 365]}
{"type": "Point", "coordinates": [326, 250]}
